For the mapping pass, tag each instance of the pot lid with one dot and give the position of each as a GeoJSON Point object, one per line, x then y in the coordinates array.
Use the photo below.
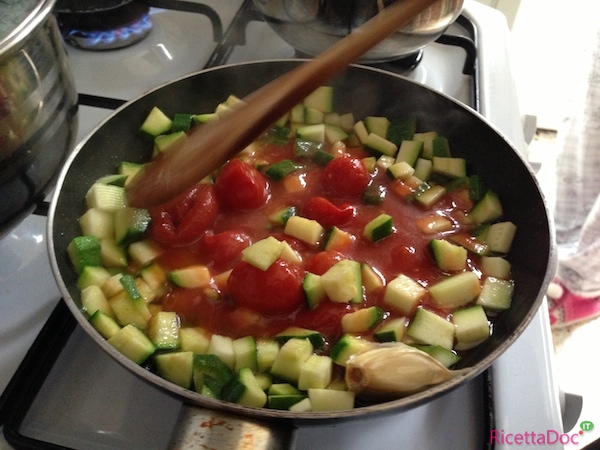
{"type": "Point", "coordinates": [19, 18]}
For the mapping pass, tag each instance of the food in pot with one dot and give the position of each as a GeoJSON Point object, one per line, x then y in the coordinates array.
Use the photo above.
{"type": "Point", "coordinates": [298, 258]}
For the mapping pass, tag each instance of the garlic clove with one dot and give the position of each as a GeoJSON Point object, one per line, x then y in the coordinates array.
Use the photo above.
{"type": "Point", "coordinates": [395, 370]}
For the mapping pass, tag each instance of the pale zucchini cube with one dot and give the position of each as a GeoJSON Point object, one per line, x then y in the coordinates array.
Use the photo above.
{"type": "Point", "coordinates": [362, 320]}
{"type": "Point", "coordinates": [244, 349]}
{"type": "Point", "coordinates": [500, 236]}
{"type": "Point", "coordinates": [106, 197]}
{"type": "Point", "coordinates": [222, 346]}
{"type": "Point", "coordinates": [112, 255]}
{"type": "Point", "coordinates": [342, 282]}
{"type": "Point", "coordinates": [92, 275]}
{"type": "Point", "coordinates": [263, 253]}
{"type": "Point", "coordinates": [403, 294]}
{"type": "Point", "coordinates": [330, 400]}
{"type": "Point", "coordinates": [93, 299]}
{"type": "Point", "coordinates": [97, 222]}
{"type": "Point", "coordinates": [321, 99]}
{"type": "Point", "coordinates": [496, 294]}
{"type": "Point", "coordinates": [495, 266]}
{"type": "Point", "coordinates": [427, 327]}
{"type": "Point", "coordinates": [266, 352]}
{"type": "Point", "coordinates": [371, 278]}
{"type": "Point", "coordinates": [455, 291]}
{"type": "Point", "coordinates": [194, 339]}
{"type": "Point", "coordinates": [471, 327]}
{"type": "Point", "coordinates": [143, 252]}
{"type": "Point", "coordinates": [133, 343]}
{"type": "Point", "coordinates": [163, 330]}
{"type": "Point", "coordinates": [196, 276]}
{"type": "Point", "coordinates": [291, 357]}
{"type": "Point", "coordinates": [315, 372]}
{"type": "Point", "coordinates": [307, 230]}
{"type": "Point", "coordinates": [176, 367]}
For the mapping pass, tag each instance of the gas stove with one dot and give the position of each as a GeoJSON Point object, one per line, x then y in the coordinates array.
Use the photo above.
{"type": "Point", "coordinates": [61, 391]}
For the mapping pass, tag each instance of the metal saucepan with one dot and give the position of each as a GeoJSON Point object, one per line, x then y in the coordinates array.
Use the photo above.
{"type": "Point", "coordinates": [38, 105]}
{"type": "Point", "coordinates": [363, 91]}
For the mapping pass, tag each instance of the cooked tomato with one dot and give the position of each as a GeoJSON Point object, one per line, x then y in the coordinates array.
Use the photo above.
{"type": "Point", "coordinates": [225, 247]}
{"type": "Point", "coordinates": [345, 177]}
{"type": "Point", "coordinates": [275, 291]}
{"type": "Point", "coordinates": [241, 187]}
{"type": "Point", "coordinates": [326, 213]}
{"type": "Point", "coordinates": [186, 218]}
{"type": "Point", "coordinates": [322, 261]}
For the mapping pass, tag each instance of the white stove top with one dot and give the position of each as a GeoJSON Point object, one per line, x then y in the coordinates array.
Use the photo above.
{"type": "Point", "coordinates": [525, 400]}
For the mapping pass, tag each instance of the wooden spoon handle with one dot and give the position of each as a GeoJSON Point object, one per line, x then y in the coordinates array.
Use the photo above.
{"type": "Point", "coordinates": [210, 145]}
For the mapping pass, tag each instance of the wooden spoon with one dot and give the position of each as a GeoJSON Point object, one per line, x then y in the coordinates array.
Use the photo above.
{"type": "Point", "coordinates": [209, 146]}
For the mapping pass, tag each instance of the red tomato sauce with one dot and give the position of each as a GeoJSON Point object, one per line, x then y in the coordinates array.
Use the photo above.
{"type": "Point", "coordinates": [218, 244]}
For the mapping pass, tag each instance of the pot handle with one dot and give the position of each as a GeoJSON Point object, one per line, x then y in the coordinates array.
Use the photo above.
{"type": "Point", "coordinates": [204, 428]}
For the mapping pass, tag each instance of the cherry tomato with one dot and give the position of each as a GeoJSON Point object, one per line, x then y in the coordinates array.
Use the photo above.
{"type": "Point", "coordinates": [322, 261]}
{"type": "Point", "coordinates": [184, 219]}
{"type": "Point", "coordinates": [345, 177]}
{"type": "Point", "coordinates": [225, 247]}
{"type": "Point", "coordinates": [275, 291]}
{"type": "Point", "coordinates": [326, 213]}
{"type": "Point", "coordinates": [241, 187]}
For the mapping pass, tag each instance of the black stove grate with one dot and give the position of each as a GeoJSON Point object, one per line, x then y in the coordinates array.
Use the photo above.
{"type": "Point", "coordinates": [21, 392]}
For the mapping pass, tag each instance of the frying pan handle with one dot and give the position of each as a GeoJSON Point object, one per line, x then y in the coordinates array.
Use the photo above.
{"type": "Point", "coordinates": [205, 428]}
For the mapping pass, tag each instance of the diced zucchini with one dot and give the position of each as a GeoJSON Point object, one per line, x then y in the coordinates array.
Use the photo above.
{"type": "Point", "coordinates": [176, 367]}
{"type": "Point", "coordinates": [129, 168]}
{"type": "Point", "coordinates": [210, 373]}
{"type": "Point", "coordinates": [163, 331]}
{"type": "Point", "coordinates": [409, 152]}
{"type": "Point", "coordinates": [84, 251]}
{"type": "Point", "coordinates": [342, 282]}
{"type": "Point", "coordinates": [449, 167]}
{"type": "Point", "coordinates": [98, 223]}
{"type": "Point", "coordinates": [204, 118]}
{"type": "Point", "coordinates": [496, 294]}
{"type": "Point", "coordinates": [456, 290]}
{"type": "Point", "coordinates": [244, 389]}
{"type": "Point", "coordinates": [403, 294]}
{"type": "Point", "coordinates": [115, 179]}
{"type": "Point", "coordinates": [379, 228]}
{"type": "Point", "coordinates": [378, 125]}
{"type": "Point", "coordinates": [321, 99]}
{"type": "Point", "coordinates": [471, 327]}
{"type": "Point", "coordinates": [281, 169]}
{"type": "Point", "coordinates": [92, 276]}
{"type": "Point", "coordinates": [290, 255]}
{"type": "Point", "coordinates": [222, 347]}
{"type": "Point", "coordinates": [488, 209]}
{"type": "Point", "coordinates": [133, 343]}
{"type": "Point", "coordinates": [401, 130]}
{"type": "Point", "coordinates": [471, 243]}
{"type": "Point", "coordinates": [130, 287]}
{"type": "Point", "coordinates": [93, 299]}
{"type": "Point", "coordinates": [112, 255]}
{"type": "Point", "coordinates": [330, 400]}
{"type": "Point", "coordinates": [371, 278]}
{"type": "Point", "coordinates": [263, 253]}
{"type": "Point", "coordinates": [196, 276]}
{"type": "Point", "coordinates": [294, 332]}
{"type": "Point", "coordinates": [423, 169]}
{"type": "Point", "coordinates": [143, 252]}
{"type": "Point", "coordinates": [495, 266]}
{"type": "Point", "coordinates": [167, 142]}
{"type": "Point", "coordinates": [427, 327]}
{"type": "Point", "coordinates": [112, 286]}
{"type": "Point", "coordinates": [313, 116]}
{"type": "Point", "coordinates": [440, 147]}
{"type": "Point", "coordinates": [315, 372]}
{"type": "Point", "coordinates": [445, 356]}
{"type": "Point", "coordinates": [129, 311]}
{"type": "Point", "coordinates": [391, 330]}
{"type": "Point", "coordinates": [297, 113]}
{"type": "Point", "coordinates": [193, 339]}
{"type": "Point", "coordinates": [157, 122]}
{"type": "Point", "coordinates": [377, 145]}
{"type": "Point", "coordinates": [434, 224]}
{"type": "Point", "coordinates": [448, 257]}
{"type": "Point", "coordinates": [500, 236]}
{"type": "Point", "coordinates": [314, 133]}
{"type": "Point", "coordinates": [313, 289]}
{"type": "Point", "coordinates": [374, 194]}
{"type": "Point", "coordinates": [292, 355]}
{"type": "Point", "coordinates": [105, 197]}
{"type": "Point", "coordinates": [281, 216]}
{"type": "Point", "coordinates": [130, 224]}
{"type": "Point", "coordinates": [244, 349]}
{"type": "Point", "coordinates": [400, 170]}
{"type": "Point", "coordinates": [284, 401]}
{"type": "Point", "coordinates": [266, 352]}
{"type": "Point", "coordinates": [104, 324]}
{"type": "Point", "coordinates": [265, 380]}
{"type": "Point", "coordinates": [347, 346]}
{"type": "Point", "coordinates": [360, 130]}
{"type": "Point", "coordinates": [362, 319]}
{"type": "Point", "coordinates": [181, 122]}
{"type": "Point", "coordinates": [427, 138]}
{"type": "Point", "coordinates": [338, 239]}
{"type": "Point", "coordinates": [283, 389]}
{"type": "Point", "coordinates": [307, 230]}
{"type": "Point", "coordinates": [428, 195]}
{"type": "Point", "coordinates": [334, 134]}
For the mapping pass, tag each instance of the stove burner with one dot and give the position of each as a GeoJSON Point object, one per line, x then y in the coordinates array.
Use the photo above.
{"type": "Point", "coordinates": [106, 29]}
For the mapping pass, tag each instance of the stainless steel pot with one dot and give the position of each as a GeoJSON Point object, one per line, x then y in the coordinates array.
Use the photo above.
{"type": "Point", "coordinates": [311, 26]}
{"type": "Point", "coordinates": [365, 92]}
{"type": "Point", "coordinates": [38, 105]}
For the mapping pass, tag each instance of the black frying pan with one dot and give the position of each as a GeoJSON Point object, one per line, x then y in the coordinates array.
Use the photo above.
{"type": "Point", "coordinates": [363, 91]}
